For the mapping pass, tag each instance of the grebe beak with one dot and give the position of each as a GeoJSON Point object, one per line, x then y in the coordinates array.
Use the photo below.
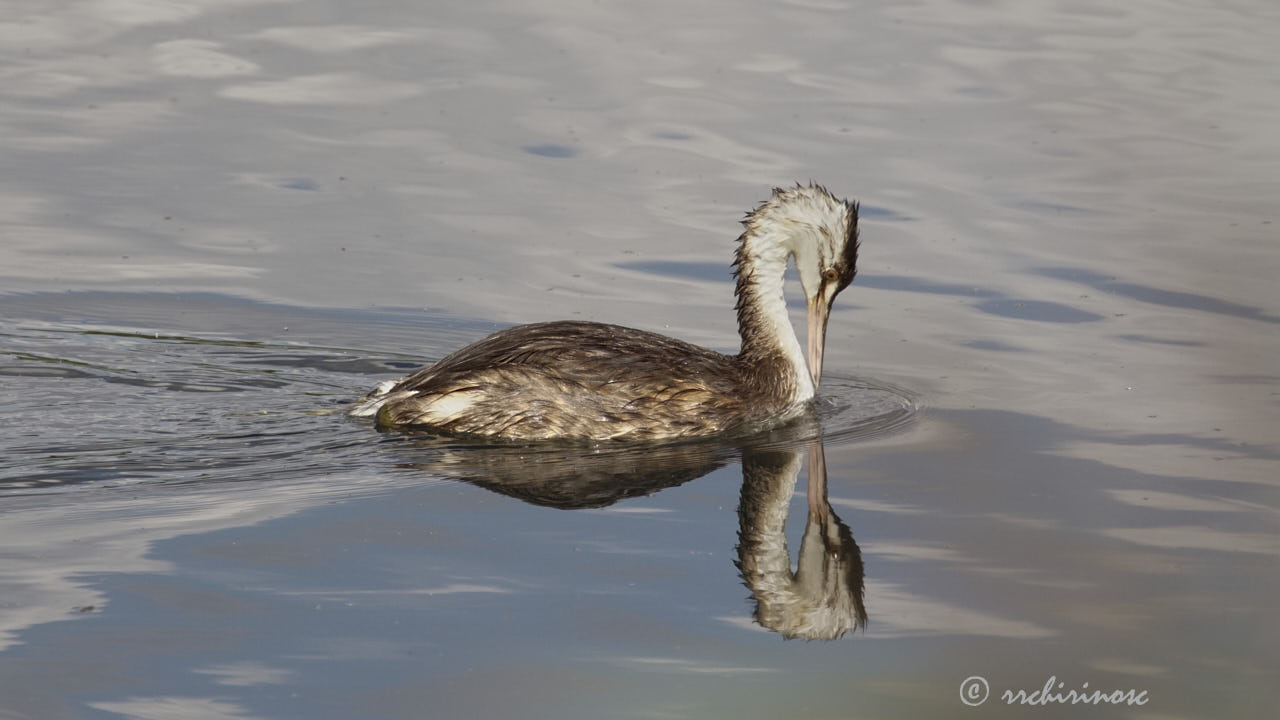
{"type": "Point", "coordinates": [819, 311]}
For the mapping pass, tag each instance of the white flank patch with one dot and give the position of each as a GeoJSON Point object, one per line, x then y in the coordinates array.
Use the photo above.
{"type": "Point", "coordinates": [448, 407]}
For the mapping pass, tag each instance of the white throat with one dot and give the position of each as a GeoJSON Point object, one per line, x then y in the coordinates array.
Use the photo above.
{"type": "Point", "coordinates": [767, 285]}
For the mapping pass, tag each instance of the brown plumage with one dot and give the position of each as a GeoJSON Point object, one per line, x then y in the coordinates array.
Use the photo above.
{"type": "Point", "coordinates": [589, 381]}
{"type": "Point", "coordinates": [593, 381]}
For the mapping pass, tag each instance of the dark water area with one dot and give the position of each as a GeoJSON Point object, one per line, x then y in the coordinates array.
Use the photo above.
{"type": "Point", "coordinates": [194, 528]}
{"type": "Point", "coordinates": [183, 485]}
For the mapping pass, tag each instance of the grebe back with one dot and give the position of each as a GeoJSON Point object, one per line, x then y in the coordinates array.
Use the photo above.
{"type": "Point", "coordinates": [593, 381]}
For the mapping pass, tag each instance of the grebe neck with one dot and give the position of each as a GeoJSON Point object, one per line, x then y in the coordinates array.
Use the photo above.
{"type": "Point", "coordinates": [760, 265]}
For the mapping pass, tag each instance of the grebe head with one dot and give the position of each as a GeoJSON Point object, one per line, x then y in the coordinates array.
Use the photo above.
{"type": "Point", "coordinates": [821, 232]}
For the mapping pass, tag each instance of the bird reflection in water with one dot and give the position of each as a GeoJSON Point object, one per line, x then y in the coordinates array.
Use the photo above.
{"type": "Point", "coordinates": [821, 599]}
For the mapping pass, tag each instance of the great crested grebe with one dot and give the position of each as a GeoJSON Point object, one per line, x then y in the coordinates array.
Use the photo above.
{"type": "Point", "coordinates": [592, 381]}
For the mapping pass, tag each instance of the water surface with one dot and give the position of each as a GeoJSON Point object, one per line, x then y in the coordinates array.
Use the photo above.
{"type": "Point", "coordinates": [1048, 433]}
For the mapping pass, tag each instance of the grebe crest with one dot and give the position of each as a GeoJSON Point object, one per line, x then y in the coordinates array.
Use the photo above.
{"type": "Point", "coordinates": [593, 381]}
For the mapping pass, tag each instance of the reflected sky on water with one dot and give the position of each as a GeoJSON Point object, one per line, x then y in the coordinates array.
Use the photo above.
{"type": "Point", "coordinates": [220, 222]}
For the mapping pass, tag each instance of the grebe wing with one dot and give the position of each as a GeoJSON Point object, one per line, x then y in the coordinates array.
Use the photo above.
{"type": "Point", "coordinates": [574, 380]}
{"type": "Point", "coordinates": [584, 352]}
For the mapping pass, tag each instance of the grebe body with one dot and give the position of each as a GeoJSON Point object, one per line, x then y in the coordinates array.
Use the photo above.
{"type": "Point", "coordinates": [594, 381]}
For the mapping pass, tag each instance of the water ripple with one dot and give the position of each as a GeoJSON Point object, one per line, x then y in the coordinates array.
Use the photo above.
{"type": "Point", "coordinates": [118, 406]}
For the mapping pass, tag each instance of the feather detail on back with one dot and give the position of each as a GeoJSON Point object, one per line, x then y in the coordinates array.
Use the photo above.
{"type": "Point", "coordinates": [580, 380]}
